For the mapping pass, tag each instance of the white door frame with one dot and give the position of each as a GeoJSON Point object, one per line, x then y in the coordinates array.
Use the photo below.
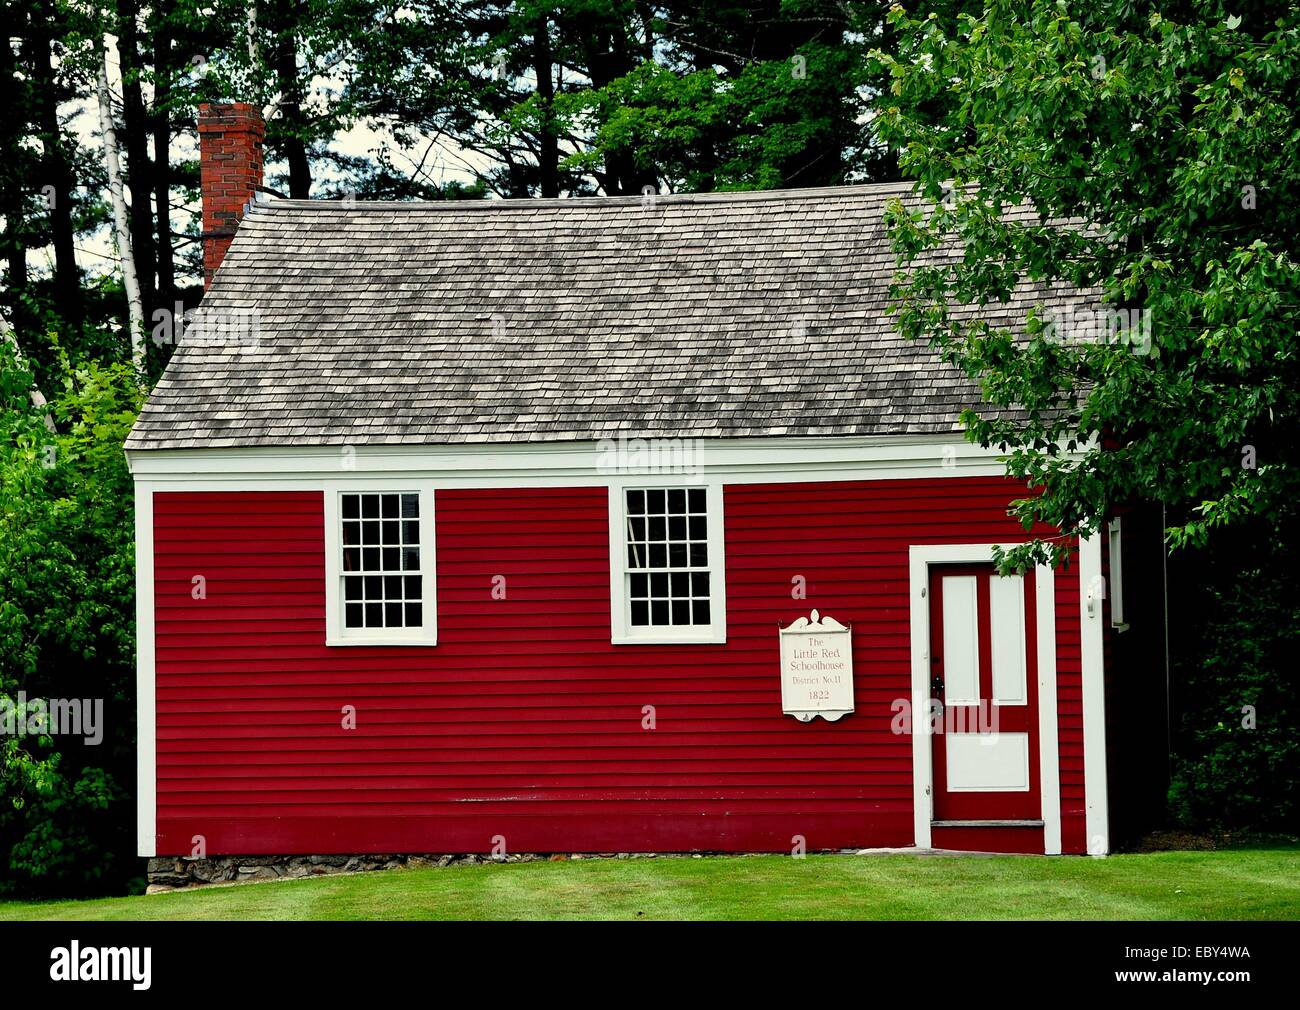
{"type": "Point", "coordinates": [920, 558]}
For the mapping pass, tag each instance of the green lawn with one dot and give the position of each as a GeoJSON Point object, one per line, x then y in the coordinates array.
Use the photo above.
{"type": "Point", "coordinates": [1237, 884]}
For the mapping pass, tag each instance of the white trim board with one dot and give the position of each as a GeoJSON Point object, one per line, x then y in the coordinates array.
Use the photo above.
{"type": "Point", "coordinates": [1049, 767]}
{"type": "Point", "coordinates": [1092, 651]}
{"type": "Point", "coordinates": [920, 558]}
{"type": "Point", "coordinates": [575, 463]}
{"type": "Point", "coordinates": [146, 747]}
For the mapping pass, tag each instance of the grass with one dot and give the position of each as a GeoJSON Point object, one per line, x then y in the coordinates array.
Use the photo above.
{"type": "Point", "coordinates": [1237, 884]}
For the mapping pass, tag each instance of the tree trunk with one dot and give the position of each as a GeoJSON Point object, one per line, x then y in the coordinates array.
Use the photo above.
{"type": "Point", "coordinates": [15, 253]}
{"type": "Point", "coordinates": [67, 275]}
{"type": "Point", "coordinates": [548, 142]}
{"type": "Point", "coordinates": [13, 247]}
{"type": "Point", "coordinates": [57, 168]}
{"type": "Point", "coordinates": [121, 226]}
{"type": "Point", "coordinates": [608, 58]}
{"type": "Point", "coordinates": [160, 124]}
{"type": "Point", "coordinates": [136, 142]}
{"type": "Point", "coordinates": [292, 140]}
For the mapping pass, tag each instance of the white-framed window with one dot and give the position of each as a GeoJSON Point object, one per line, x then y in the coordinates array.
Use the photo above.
{"type": "Point", "coordinates": [667, 572]}
{"type": "Point", "coordinates": [379, 566]}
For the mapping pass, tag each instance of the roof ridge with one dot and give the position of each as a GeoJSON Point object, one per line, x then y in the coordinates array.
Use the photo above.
{"type": "Point", "coordinates": [532, 203]}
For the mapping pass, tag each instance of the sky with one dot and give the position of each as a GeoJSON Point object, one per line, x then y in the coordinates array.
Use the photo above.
{"type": "Point", "coordinates": [96, 252]}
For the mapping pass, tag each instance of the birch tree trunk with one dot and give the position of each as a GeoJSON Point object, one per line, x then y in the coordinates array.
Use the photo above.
{"type": "Point", "coordinates": [133, 139]}
{"type": "Point", "coordinates": [121, 225]}
{"type": "Point", "coordinates": [38, 398]}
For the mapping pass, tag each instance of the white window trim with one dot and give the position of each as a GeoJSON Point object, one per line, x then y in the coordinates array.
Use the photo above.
{"type": "Point", "coordinates": [335, 632]}
{"type": "Point", "coordinates": [621, 630]}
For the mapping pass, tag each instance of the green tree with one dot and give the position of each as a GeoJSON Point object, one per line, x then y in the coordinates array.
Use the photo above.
{"type": "Point", "coordinates": [1147, 157]}
{"type": "Point", "coordinates": [66, 626]}
{"type": "Point", "coordinates": [744, 96]}
{"type": "Point", "coordinates": [1166, 141]}
{"type": "Point", "coordinates": [586, 97]}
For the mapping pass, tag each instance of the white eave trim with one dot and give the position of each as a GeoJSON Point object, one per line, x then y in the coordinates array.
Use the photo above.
{"type": "Point", "coordinates": [577, 463]}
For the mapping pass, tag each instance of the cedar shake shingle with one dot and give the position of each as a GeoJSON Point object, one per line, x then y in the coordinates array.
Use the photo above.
{"type": "Point", "coordinates": [741, 314]}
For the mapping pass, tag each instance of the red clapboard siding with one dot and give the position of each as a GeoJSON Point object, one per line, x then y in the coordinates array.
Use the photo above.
{"type": "Point", "coordinates": [524, 721]}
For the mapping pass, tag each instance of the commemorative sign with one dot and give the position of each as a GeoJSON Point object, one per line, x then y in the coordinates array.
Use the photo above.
{"type": "Point", "coordinates": [816, 669]}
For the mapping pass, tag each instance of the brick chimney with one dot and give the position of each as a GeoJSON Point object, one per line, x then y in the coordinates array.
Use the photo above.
{"type": "Point", "coordinates": [230, 172]}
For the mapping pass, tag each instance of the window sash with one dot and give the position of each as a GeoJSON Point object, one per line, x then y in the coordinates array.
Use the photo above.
{"type": "Point", "coordinates": [380, 599]}
{"type": "Point", "coordinates": [379, 538]}
{"type": "Point", "coordinates": [676, 608]}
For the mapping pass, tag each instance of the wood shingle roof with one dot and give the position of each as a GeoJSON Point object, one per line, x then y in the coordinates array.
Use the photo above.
{"type": "Point", "coordinates": [743, 314]}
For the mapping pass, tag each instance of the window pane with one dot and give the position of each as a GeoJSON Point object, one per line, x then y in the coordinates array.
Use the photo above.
{"type": "Point", "coordinates": [666, 531]}
{"type": "Point", "coordinates": [386, 525]}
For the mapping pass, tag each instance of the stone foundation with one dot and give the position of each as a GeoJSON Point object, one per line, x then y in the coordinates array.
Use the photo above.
{"type": "Point", "coordinates": [172, 872]}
